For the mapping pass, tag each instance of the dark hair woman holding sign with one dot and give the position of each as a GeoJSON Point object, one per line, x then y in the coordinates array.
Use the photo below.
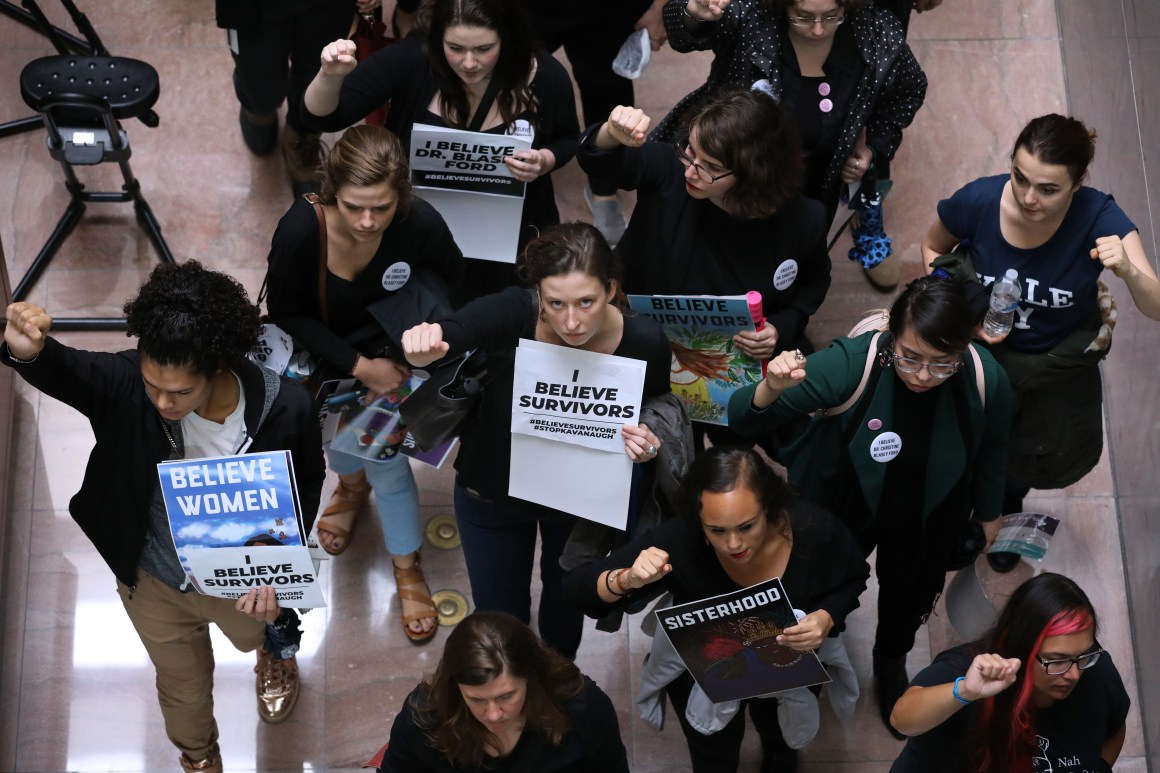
{"type": "Point", "coordinates": [1038, 689]}
{"type": "Point", "coordinates": [919, 452]}
{"type": "Point", "coordinates": [376, 239]}
{"type": "Point", "coordinates": [477, 68]}
{"type": "Point", "coordinates": [576, 302]}
{"type": "Point", "coordinates": [739, 525]}
{"type": "Point", "coordinates": [501, 701]}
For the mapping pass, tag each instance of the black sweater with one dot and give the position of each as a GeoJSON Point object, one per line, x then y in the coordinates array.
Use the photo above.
{"type": "Point", "coordinates": [678, 245]}
{"type": "Point", "coordinates": [419, 239]}
{"type": "Point", "coordinates": [826, 569]}
{"type": "Point", "coordinates": [495, 323]}
{"type": "Point", "coordinates": [400, 74]}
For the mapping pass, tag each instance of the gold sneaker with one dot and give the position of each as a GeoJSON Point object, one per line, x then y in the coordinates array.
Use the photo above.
{"type": "Point", "coordinates": [277, 685]}
{"type": "Point", "coordinates": [211, 764]}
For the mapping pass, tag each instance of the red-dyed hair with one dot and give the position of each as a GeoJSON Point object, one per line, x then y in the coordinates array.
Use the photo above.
{"type": "Point", "coordinates": [1003, 738]}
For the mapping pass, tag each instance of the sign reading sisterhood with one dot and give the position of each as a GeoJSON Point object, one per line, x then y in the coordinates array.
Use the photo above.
{"type": "Point", "coordinates": [568, 406]}
{"type": "Point", "coordinates": [707, 368]}
{"type": "Point", "coordinates": [462, 174]}
{"type": "Point", "coordinates": [237, 525]}
{"type": "Point", "coordinates": [729, 643]}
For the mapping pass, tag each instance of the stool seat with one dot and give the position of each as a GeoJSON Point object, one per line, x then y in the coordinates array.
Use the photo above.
{"type": "Point", "coordinates": [129, 86]}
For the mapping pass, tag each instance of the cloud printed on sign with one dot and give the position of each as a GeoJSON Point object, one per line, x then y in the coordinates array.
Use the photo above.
{"type": "Point", "coordinates": [235, 532]}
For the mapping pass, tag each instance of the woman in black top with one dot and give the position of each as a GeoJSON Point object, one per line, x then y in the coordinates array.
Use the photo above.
{"type": "Point", "coordinates": [740, 525]}
{"type": "Point", "coordinates": [577, 302]}
{"type": "Point", "coordinates": [842, 68]}
{"type": "Point", "coordinates": [377, 237]}
{"type": "Point", "coordinates": [445, 80]}
{"type": "Point", "coordinates": [502, 701]}
{"type": "Point", "coordinates": [720, 214]}
{"type": "Point", "coordinates": [1038, 693]}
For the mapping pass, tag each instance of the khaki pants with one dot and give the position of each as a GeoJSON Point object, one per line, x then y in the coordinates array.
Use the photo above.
{"type": "Point", "coordinates": [174, 627]}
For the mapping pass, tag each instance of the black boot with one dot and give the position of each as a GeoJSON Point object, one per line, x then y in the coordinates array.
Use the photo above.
{"type": "Point", "coordinates": [890, 676]}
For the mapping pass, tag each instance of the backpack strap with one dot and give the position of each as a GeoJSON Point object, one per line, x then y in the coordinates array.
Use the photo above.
{"type": "Point", "coordinates": [980, 383]}
{"type": "Point", "coordinates": [871, 358]}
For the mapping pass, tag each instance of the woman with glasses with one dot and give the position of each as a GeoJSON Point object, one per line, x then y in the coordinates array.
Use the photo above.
{"type": "Point", "coordinates": [842, 69]}
{"type": "Point", "coordinates": [1037, 693]}
{"type": "Point", "coordinates": [719, 212]}
{"type": "Point", "coordinates": [919, 450]}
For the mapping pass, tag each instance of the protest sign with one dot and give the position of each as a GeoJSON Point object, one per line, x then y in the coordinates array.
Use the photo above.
{"type": "Point", "coordinates": [375, 431]}
{"type": "Point", "coordinates": [572, 396]}
{"type": "Point", "coordinates": [565, 456]}
{"type": "Point", "coordinates": [707, 368]}
{"type": "Point", "coordinates": [729, 643]}
{"type": "Point", "coordinates": [462, 175]}
{"type": "Point", "coordinates": [236, 524]}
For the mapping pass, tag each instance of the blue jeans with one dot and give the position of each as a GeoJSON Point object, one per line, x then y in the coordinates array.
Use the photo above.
{"type": "Point", "coordinates": [499, 544]}
{"type": "Point", "coordinates": [396, 497]}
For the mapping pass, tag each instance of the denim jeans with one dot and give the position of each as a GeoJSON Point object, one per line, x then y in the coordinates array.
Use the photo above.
{"type": "Point", "coordinates": [396, 497]}
{"type": "Point", "coordinates": [499, 544]}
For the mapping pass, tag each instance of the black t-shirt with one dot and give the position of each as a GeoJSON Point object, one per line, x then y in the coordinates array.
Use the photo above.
{"type": "Point", "coordinates": [1071, 732]}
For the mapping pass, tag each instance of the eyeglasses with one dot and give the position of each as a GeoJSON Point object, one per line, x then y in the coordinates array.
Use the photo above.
{"type": "Point", "coordinates": [810, 21]}
{"type": "Point", "coordinates": [683, 156]}
{"type": "Point", "coordinates": [936, 369]}
{"type": "Point", "coordinates": [1061, 666]}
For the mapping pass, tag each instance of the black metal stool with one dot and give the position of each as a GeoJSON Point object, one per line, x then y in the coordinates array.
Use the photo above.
{"type": "Point", "coordinates": [81, 100]}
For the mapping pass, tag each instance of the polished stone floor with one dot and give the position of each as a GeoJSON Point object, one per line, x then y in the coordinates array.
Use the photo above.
{"type": "Point", "coordinates": [77, 689]}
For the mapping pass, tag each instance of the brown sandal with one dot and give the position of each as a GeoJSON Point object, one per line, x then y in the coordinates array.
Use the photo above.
{"type": "Point", "coordinates": [405, 581]}
{"type": "Point", "coordinates": [337, 519]}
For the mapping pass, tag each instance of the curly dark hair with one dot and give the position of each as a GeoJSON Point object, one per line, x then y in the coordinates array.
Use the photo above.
{"type": "Point", "coordinates": [188, 316]}
{"type": "Point", "coordinates": [481, 648]}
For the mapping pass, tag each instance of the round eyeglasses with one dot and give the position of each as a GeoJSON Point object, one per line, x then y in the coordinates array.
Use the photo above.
{"type": "Point", "coordinates": [810, 21]}
{"type": "Point", "coordinates": [936, 369]}
{"type": "Point", "coordinates": [683, 156]}
{"type": "Point", "coordinates": [1060, 666]}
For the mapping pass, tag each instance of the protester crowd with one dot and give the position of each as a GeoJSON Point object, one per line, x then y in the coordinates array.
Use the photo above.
{"type": "Point", "coordinates": [907, 439]}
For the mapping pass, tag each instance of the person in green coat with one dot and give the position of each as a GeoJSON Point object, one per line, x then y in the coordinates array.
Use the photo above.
{"type": "Point", "coordinates": [919, 453]}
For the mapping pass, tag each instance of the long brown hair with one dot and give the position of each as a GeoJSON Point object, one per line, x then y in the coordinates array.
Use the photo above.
{"type": "Point", "coordinates": [483, 646]}
{"type": "Point", "coordinates": [568, 247]}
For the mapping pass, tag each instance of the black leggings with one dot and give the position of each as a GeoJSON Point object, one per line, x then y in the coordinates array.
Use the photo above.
{"type": "Point", "coordinates": [720, 752]}
{"type": "Point", "coordinates": [910, 578]}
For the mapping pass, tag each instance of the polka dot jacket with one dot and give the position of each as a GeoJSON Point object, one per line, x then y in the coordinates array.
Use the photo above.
{"type": "Point", "coordinates": [746, 41]}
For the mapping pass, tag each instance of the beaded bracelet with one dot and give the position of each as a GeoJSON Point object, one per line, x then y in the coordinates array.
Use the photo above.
{"type": "Point", "coordinates": [955, 692]}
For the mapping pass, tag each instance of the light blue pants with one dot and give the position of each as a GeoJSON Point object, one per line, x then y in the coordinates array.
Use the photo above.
{"type": "Point", "coordinates": [396, 497]}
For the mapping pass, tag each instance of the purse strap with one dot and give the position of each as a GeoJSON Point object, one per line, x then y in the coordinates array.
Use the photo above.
{"type": "Point", "coordinates": [484, 107]}
{"type": "Point", "coordinates": [315, 202]}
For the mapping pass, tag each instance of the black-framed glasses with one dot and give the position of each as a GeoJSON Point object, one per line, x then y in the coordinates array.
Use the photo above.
{"type": "Point", "coordinates": [682, 149]}
{"type": "Point", "coordinates": [810, 21]}
{"type": "Point", "coordinates": [1060, 666]}
{"type": "Point", "coordinates": [935, 369]}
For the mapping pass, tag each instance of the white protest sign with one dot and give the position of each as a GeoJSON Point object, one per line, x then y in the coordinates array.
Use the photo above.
{"type": "Point", "coordinates": [572, 396]}
{"type": "Point", "coordinates": [462, 175]}
{"type": "Point", "coordinates": [231, 573]}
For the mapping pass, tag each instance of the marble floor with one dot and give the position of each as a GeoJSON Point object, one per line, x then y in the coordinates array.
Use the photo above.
{"type": "Point", "coordinates": [77, 689]}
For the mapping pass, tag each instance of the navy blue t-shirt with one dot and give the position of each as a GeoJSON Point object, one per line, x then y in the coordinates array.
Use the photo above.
{"type": "Point", "coordinates": [1058, 278]}
{"type": "Point", "coordinates": [1071, 731]}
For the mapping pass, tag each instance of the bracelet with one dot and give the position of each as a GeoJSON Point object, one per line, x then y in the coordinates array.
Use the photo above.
{"type": "Point", "coordinates": [955, 692]}
{"type": "Point", "coordinates": [608, 578]}
{"type": "Point", "coordinates": [16, 359]}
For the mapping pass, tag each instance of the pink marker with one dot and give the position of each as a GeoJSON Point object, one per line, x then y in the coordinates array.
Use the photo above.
{"type": "Point", "coordinates": [754, 299]}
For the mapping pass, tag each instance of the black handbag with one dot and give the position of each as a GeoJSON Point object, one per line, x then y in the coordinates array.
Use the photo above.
{"type": "Point", "coordinates": [441, 405]}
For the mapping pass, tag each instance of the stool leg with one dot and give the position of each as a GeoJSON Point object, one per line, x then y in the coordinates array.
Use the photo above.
{"type": "Point", "coordinates": [144, 213]}
{"type": "Point", "coordinates": [64, 226]}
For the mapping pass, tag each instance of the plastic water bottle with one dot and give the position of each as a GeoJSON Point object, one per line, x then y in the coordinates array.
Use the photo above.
{"type": "Point", "coordinates": [1005, 294]}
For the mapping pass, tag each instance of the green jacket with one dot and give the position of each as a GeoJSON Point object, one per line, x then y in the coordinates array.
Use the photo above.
{"type": "Point", "coordinates": [832, 376]}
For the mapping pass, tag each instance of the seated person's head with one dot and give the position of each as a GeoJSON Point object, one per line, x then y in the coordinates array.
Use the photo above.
{"type": "Point", "coordinates": [191, 325]}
